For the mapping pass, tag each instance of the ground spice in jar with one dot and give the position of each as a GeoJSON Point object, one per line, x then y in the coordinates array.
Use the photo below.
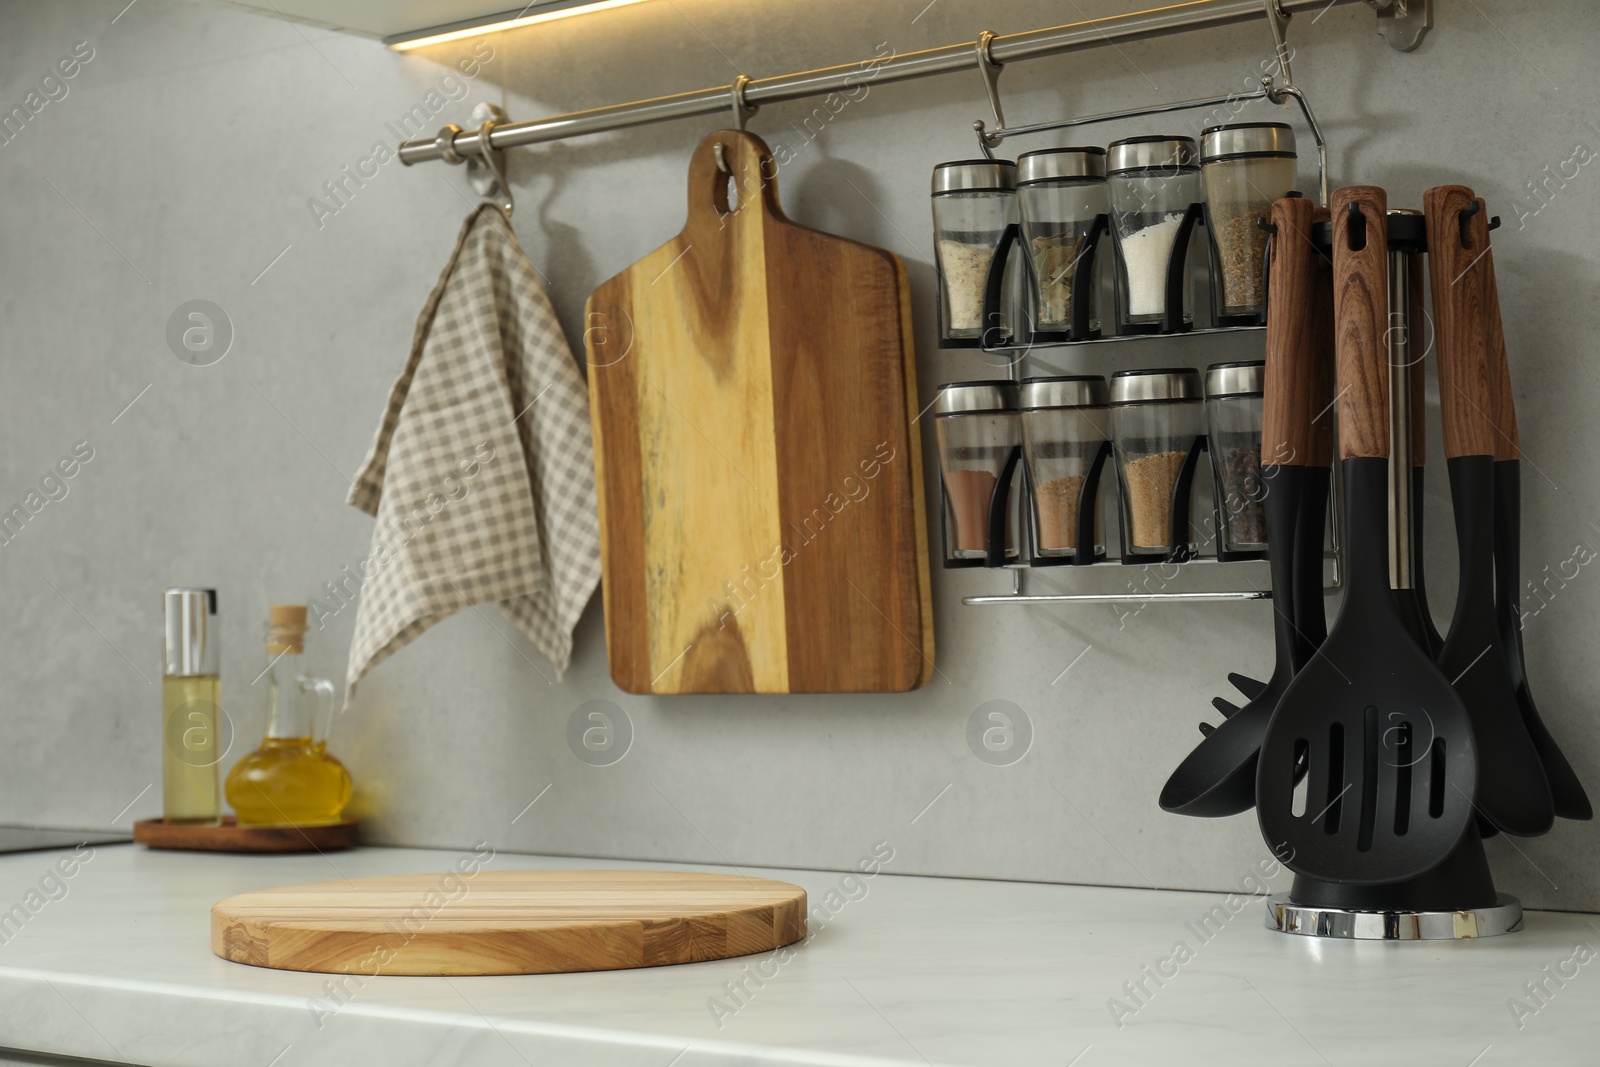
{"type": "Point", "coordinates": [1056, 502]}
{"type": "Point", "coordinates": [1243, 491]}
{"type": "Point", "coordinates": [1241, 249]}
{"type": "Point", "coordinates": [970, 492]}
{"type": "Point", "coordinates": [1149, 481]}
{"type": "Point", "coordinates": [1055, 263]}
{"type": "Point", "coordinates": [965, 267]}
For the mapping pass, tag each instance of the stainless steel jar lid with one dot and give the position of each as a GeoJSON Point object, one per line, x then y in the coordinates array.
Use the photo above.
{"type": "Point", "coordinates": [1065, 391]}
{"type": "Point", "coordinates": [1062, 164]}
{"type": "Point", "coordinates": [1246, 139]}
{"type": "Point", "coordinates": [974, 176]}
{"type": "Point", "coordinates": [1235, 379]}
{"type": "Point", "coordinates": [1152, 153]}
{"type": "Point", "coordinates": [191, 645]}
{"type": "Point", "coordinates": [1147, 386]}
{"type": "Point", "coordinates": [972, 398]}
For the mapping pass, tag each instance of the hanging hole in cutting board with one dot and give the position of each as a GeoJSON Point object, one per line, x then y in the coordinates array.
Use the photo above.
{"type": "Point", "coordinates": [726, 197]}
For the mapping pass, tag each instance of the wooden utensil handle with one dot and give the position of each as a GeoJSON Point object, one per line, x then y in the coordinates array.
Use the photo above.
{"type": "Point", "coordinates": [1457, 244]}
{"type": "Point", "coordinates": [1361, 312]}
{"type": "Point", "coordinates": [1289, 401]}
{"type": "Point", "coordinates": [1418, 340]}
{"type": "Point", "coordinates": [1507, 442]}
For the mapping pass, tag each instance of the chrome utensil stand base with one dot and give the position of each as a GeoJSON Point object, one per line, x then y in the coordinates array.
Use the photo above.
{"type": "Point", "coordinates": [1504, 916]}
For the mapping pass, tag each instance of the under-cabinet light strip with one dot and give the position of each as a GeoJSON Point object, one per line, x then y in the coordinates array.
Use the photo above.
{"type": "Point", "coordinates": [504, 20]}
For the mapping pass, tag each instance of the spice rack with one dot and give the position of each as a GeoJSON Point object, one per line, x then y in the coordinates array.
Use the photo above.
{"type": "Point", "coordinates": [995, 341]}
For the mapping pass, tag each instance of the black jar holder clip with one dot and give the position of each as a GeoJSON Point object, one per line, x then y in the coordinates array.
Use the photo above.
{"type": "Point", "coordinates": [1084, 278]}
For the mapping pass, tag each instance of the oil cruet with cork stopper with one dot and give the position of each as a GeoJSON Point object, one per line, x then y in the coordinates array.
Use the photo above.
{"type": "Point", "coordinates": [191, 714]}
{"type": "Point", "coordinates": [291, 779]}
{"type": "Point", "coordinates": [1245, 166]}
{"type": "Point", "coordinates": [980, 447]}
{"type": "Point", "coordinates": [1156, 421]}
{"type": "Point", "coordinates": [974, 204]}
{"type": "Point", "coordinates": [1154, 183]}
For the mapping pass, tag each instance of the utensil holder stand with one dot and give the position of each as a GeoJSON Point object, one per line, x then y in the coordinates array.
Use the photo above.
{"type": "Point", "coordinates": [1455, 900]}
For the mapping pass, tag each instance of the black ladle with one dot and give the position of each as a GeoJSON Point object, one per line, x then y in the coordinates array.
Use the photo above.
{"type": "Point", "coordinates": [1513, 790]}
{"type": "Point", "coordinates": [1217, 778]}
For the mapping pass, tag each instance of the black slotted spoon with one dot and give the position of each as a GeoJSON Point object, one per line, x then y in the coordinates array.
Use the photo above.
{"type": "Point", "coordinates": [1392, 764]}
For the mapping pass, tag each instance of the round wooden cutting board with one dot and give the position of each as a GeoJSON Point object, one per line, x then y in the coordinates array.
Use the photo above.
{"type": "Point", "coordinates": [507, 922]}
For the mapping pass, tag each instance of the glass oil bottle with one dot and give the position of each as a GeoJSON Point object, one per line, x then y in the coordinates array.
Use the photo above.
{"type": "Point", "coordinates": [190, 696]}
{"type": "Point", "coordinates": [291, 779]}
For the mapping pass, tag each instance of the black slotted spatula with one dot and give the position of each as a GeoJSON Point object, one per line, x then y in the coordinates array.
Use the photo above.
{"type": "Point", "coordinates": [1513, 792]}
{"type": "Point", "coordinates": [1392, 766]}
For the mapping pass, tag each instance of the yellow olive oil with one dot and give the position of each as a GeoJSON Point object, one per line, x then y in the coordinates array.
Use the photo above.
{"type": "Point", "coordinates": [190, 751]}
{"type": "Point", "coordinates": [288, 781]}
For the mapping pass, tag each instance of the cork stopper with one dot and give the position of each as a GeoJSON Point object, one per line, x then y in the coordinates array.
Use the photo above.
{"type": "Point", "coordinates": [286, 628]}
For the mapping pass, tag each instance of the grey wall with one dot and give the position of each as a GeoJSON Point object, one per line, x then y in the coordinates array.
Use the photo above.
{"type": "Point", "coordinates": [179, 167]}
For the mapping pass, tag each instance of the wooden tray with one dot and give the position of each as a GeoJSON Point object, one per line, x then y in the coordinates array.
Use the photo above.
{"type": "Point", "coordinates": [507, 922]}
{"type": "Point", "coordinates": [231, 837]}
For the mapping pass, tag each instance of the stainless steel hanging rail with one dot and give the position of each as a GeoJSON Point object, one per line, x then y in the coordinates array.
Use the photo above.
{"type": "Point", "coordinates": [1032, 44]}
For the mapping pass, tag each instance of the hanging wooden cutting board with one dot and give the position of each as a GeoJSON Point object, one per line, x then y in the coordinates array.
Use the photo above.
{"type": "Point", "coordinates": [508, 922]}
{"type": "Point", "coordinates": [753, 393]}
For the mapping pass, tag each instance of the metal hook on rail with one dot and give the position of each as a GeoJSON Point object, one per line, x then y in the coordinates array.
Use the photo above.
{"type": "Point", "coordinates": [989, 70]}
{"type": "Point", "coordinates": [742, 110]}
{"type": "Point", "coordinates": [1278, 20]}
{"type": "Point", "coordinates": [495, 160]}
{"type": "Point", "coordinates": [1280, 93]}
{"type": "Point", "coordinates": [483, 156]}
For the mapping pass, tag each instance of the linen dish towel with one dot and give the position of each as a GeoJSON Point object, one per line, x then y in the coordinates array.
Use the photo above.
{"type": "Point", "coordinates": [481, 476]}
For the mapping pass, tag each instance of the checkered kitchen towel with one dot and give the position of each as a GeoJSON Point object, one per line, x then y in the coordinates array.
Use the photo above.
{"type": "Point", "coordinates": [481, 476]}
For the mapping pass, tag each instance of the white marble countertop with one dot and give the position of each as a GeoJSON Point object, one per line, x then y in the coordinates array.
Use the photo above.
{"type": "Point", "coordinates": [113, 963]}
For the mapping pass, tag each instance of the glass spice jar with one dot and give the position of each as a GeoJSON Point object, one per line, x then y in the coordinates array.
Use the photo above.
{"type": "Point", "coordinates": [1060, 194]}
{"type": "Point", "coordinates": [973, 202]}
{"type": "Point", "coordinates": [979, 435]}
{"type": "Point", "coordinates": [1233, 420]}
{"type": "Point", "coordinates": [1245, 166]}
{"type": "Point", "coordinates": [1153, 181]}
{"type": "Point", "coordinates": [1065, 424]}
{"type": "Point", "coordinates": [1155, 418]}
